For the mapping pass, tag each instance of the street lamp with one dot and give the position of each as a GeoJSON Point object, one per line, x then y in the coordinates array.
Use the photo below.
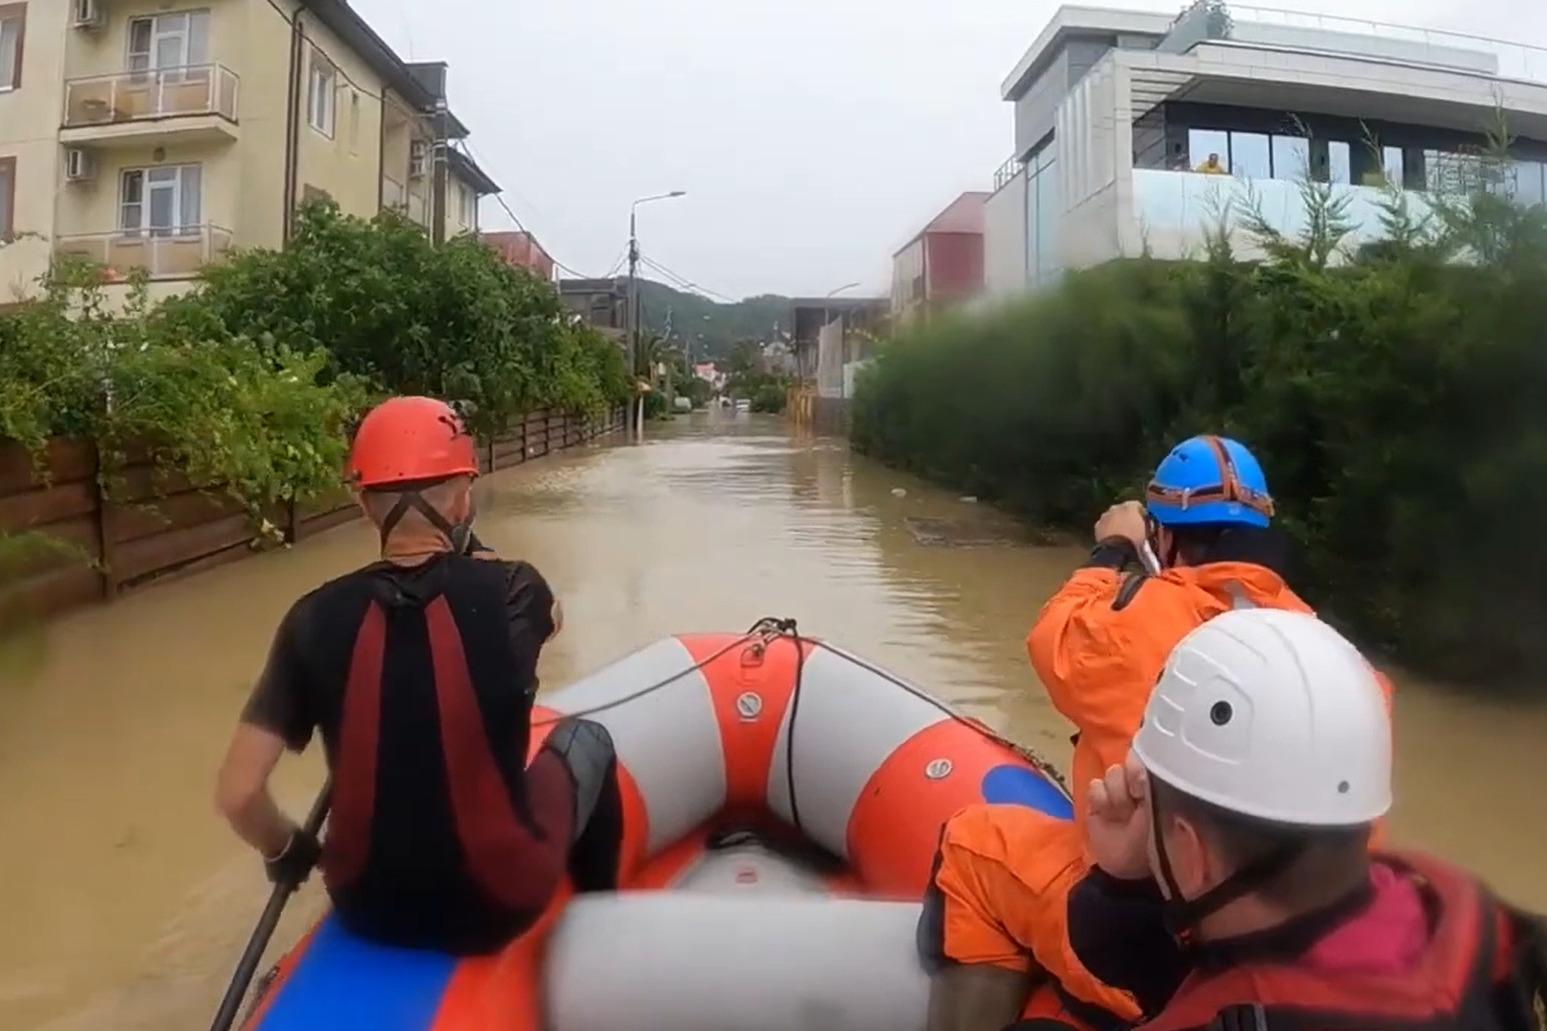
{"type": "Point", "coordinates": [841, 289]}
{"type": "Point", "coordinates": [633, 296]}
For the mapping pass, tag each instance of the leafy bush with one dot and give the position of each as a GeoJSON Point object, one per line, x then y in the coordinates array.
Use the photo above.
{"type": "Point", "coordinates": [769, 397]}
{"type": "Point", "coordinates": [1395, 402]}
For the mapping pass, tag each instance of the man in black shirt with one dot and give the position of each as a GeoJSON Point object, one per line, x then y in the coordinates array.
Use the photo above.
{"type": "Point", "coordinates": [419, 671]}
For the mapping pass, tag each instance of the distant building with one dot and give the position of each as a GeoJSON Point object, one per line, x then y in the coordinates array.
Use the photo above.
{"type": "Point", "coordinates": [1134, 130]}
{"type": "Point", "coordinates": [833, 333]}
{"type": "Point", "coordinates": [943, 264]}
{"type": "Point", "coordinates": [710, 374]}
{"type": "Point", "coordinates": [601, 303]}
{"type": "Point", "coordinates": [522, 250]}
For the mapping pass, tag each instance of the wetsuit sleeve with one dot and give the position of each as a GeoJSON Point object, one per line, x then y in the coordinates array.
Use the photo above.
{"type": "Point", "coordinates": [1117, 929]}
{"type": "Point", "coordinates": [529, 608]}
{"type": "Point", "coordinates": [280, 701]}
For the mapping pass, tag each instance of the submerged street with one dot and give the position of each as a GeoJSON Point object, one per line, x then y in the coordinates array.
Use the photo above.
{"type": "Point", "coordinates": [129, 899]}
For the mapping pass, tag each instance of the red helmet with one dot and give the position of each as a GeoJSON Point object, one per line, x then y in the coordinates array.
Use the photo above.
{"type": "Point", "coordinates": [411, 439]}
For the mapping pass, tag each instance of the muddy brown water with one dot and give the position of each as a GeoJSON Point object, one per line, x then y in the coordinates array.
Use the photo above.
{"type": "Point", "coordinates": [124, 900]}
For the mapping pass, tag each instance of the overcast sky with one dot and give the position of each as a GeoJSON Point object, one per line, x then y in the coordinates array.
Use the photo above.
{"type": "Point", "coordinates": [814, 137]}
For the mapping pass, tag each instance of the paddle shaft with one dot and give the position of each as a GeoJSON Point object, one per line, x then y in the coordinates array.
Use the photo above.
{"type": "Point", "coordinates": [225, 1017]}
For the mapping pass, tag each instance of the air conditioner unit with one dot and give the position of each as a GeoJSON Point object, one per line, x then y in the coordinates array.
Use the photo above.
{"type": "Point", "coordinates": [418, 159]}
{"type": "Point", "coordinates": [80, 165]}
{"type": "Point", "coordinates": [88, 14]}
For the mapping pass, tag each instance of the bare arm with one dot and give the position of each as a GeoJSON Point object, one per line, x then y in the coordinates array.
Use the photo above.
{"type": "Point", "coordinates": [242, 790]}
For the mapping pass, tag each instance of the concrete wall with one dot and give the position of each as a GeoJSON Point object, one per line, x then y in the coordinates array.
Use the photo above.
{"type": "Point", "coordinates": [907, 268]}
{"type": "Point", "coordinates": [953, 266]}
{"type": "Point", "coordinates": [348, 166]}
{"type": "Point", "coordinates": [29, 126]}
{"type": "Point", "coordinates": [1037, 110]}
{"type": "Point", "coordinates": [1004, 238]}
{"type": "Point", "coordinates": [829, 360]}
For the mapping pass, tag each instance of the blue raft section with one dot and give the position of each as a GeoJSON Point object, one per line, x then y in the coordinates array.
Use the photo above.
{"type": "Point", "coordinates": [345, 983]}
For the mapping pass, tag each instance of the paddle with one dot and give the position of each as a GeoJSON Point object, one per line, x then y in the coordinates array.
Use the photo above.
{"type": "Point", "coordinates": [248, 965]}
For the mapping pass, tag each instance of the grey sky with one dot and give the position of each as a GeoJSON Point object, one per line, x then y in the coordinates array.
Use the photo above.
{"type": "Point", "coordinates": [813, 136]}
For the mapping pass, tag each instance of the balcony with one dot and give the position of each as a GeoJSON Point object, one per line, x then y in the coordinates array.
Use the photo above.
{"type": "Point", "coordinates": [175, 253]}
{"type": "Point", "coordinates": [184, 104]}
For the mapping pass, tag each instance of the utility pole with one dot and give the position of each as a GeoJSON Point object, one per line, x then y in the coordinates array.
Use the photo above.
{"type": "Point", "coordinates": [635, 351]}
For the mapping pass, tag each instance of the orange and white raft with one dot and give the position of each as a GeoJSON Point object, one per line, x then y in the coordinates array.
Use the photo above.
{"type": "Point", "coordinates": [777, 843]}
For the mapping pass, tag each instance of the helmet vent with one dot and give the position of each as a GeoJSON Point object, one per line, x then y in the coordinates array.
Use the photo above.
{"type": "Point", "coordinates": [1221, 713]}
{"type": "Point", "coordinates": [1342, 787]}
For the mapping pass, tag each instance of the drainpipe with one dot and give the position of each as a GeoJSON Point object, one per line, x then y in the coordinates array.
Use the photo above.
{"type": "Point", "coordinates": [438, 207]}
{"type": "Point", "coordinates": [381, 150]}
{"type": "Point", "coordinates": [292, 125]}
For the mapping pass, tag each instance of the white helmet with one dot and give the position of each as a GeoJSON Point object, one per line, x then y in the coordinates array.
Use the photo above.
{"type": "Point", "coordinates": [1274, 715]}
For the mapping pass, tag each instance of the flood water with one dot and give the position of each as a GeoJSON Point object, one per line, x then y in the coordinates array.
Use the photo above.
{"type": "Point", "coordinates": [125, 900]}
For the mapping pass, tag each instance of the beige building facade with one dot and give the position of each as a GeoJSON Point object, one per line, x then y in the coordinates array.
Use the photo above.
{"type": "Point", "coordinates": [159, 134]}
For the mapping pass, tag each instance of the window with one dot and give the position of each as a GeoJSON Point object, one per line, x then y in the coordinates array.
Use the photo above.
{"type": "Point", "coordinates": [320, 96]}
{"type": "Point", "coordinates": [1530, 184]}
{"type": "Point", "coordinates": [467, 205]}
{"type": "Point", "coordinates": [1250, 157]}
{"type": "Point", "coordinates": [13, 24]}
{"type": "Point", "coordinates": [1291, 157]}
{"type": "Point", "coordinates": [169, 41]}
{"type": "Point", "coordinates": [160, 201]}
{"type": "Point", "coordinates": [1392, 164]}
{"type": "Point", "coordinates": [1340, 163]}
{"type": "Point", "coordinates": [7, 198]}
{"type": "Point", "coordinates": [1206, 144]}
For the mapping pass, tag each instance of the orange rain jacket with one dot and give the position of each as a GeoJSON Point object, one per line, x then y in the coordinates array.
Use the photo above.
{"type": "Point", "coordinates": [1101, 642]}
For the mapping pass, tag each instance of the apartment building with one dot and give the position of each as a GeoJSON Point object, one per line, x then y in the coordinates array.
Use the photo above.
{"type": "Point", "coordinates": [159, 134]}
{"type": "Point", "coordinates": [1134, 131]}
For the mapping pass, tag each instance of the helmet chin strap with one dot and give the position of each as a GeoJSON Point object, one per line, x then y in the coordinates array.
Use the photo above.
{"type": "Point", "coordinates": [1183, 915]}
{"type": "Point", "coordinates": [456, 534]}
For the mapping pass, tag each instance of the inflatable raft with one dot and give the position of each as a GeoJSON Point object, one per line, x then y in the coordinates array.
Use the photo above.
{"type": "Point", "coordinates": [783, 800]}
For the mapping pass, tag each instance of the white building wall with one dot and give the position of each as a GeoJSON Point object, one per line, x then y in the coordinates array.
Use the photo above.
{"type": "Point", "coordinates": [1095, 160]}
{"type": "Point", "coordinates": [1004, 238]}
{"type": "Point", "coordinates": [829, 359]}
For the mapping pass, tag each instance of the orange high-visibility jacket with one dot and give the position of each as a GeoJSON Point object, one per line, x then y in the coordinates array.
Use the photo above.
{"type": "Point", "coordinates": [1101, 642]}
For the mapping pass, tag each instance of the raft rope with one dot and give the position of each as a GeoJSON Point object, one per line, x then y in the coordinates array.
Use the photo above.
{"type": "Point", "coordinates": [770, 628]}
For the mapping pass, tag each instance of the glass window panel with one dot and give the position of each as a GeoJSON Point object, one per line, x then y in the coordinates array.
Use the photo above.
{"type": "Point", "coordinates": [1340, 164]}
{"type": "Point", "coordinates": [198, 37]}
{"type": "Point", "coordinates": [133, 187]}
{"type": "Point", "coordinates": [140, 32]}
{"type": "Point", "coordinates": [1249, 155]}
{"type": "Point", "coordinates": [1392, 164]}
{"type": "Point", "coordinates": [1208, 150]}
{"type": "Point", "coordinates": [189, 213]}
{"type": "Point", "coordinates": [163, 205]}
{"type": "Point", "coordinates": [10, 40]}
{"type": "Point", "coordinates": [1047, 223]}
{"type": "Point", "coordinates": [6, 225]}
{"type": "Point", "coordinates": [1291, 157]}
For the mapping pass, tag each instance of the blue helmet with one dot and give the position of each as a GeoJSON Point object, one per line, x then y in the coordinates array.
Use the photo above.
{"type": "Point", "coordinates": [1209, 480]}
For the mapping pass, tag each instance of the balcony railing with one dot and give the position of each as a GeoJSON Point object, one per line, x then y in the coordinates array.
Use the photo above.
{"type": "Point", "coordinates": [178, 252]}
{"type": "Point", "coordinates": [1333, 33]}
{"type": "Point", "coordinates": [196, 89]}
{"type": "Point", "coordinates": [1007, 172]}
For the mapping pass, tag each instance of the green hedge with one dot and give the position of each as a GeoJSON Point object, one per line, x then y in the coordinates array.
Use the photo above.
{"type": "Point", "coordinates": [1398, 401]}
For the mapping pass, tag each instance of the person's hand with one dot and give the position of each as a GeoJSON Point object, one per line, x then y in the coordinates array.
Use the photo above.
{"type": "Point", "coordinates": [295, 861]}
{"type": "Point", "coordinates": [1117, 821]}
{"type": "Point", "coordinates": [1124, 520]}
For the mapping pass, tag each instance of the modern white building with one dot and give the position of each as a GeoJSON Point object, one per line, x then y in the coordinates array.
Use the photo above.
{"type": "Point", "coordinates": [1117, 114]}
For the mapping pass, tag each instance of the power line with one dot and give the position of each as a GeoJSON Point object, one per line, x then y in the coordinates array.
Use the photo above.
{"type": "Point", "coordinates": [686, 282]}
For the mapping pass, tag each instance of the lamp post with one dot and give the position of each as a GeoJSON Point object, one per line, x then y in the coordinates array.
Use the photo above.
{"type": "Point", "coordinates": [633, 301]}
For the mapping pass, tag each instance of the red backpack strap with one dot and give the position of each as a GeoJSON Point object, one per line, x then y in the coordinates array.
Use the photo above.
{"type": "Point", "coordinates": [354, 776]}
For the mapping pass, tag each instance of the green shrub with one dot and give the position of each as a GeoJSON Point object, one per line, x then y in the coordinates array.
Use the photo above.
{"type": "Point", "coordinates": [1395, 402]}
{"type": "Point", "coordinates": [769, 397]}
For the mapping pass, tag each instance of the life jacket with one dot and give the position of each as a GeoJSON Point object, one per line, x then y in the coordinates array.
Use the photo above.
{"type": "Point", "coordinates": [1481, 970]}
{"type": "Point", "coordinates": [439, 837]}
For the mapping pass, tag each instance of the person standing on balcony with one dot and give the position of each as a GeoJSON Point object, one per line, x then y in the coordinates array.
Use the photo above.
{"type": "Point", "coordinates": [1213, 166]}
{"type": "Point", "coordinates": [419, 670]}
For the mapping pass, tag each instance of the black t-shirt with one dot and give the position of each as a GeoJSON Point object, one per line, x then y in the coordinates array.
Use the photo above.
{"type": "Point", "coordinates": [301, 687]}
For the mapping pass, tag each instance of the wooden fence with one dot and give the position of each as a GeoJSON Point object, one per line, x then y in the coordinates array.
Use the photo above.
{"type": "Point", "coordinates": [96, 541]}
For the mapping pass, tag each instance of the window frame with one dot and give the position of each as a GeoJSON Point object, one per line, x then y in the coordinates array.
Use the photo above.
{"type": "Point", "coordinates": [319, 71]}
{"type": "Point", "coordinates": [145, 230]}
{"type": "Point", "coordinates": [8, 198]}
{"type": "Point", "coordinates": [186, 34]}
{"type": "Point", "coordinates": [15, 13]}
